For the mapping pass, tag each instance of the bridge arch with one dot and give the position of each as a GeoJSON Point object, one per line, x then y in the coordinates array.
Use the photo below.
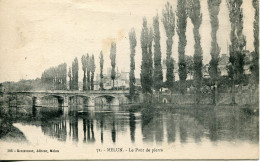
{"type": "Point", "coordinates": [109, 99]}
{"type": "Point", "coordinates": [79, 99]}
{"type": "Point", "coordinates": [63, 97]}
{"type": "Point", "coordinates": [78, 95]}
{"type": "Point", "coordinates": [51, 99]}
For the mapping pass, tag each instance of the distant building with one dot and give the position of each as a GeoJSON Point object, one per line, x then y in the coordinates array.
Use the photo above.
{"type": "Point", "coordinates": [248, 61]}
{"type": "Point", "coordinates": [107, 82]}
{"type": "Point", "coordinates": [248, 56]}
{"type": "Point", "coordinates": [224, 61]}
{"type": "Point", "coordinates": [121, 81]}
{"type": "Point", "coordinates": [222, 64]}
{"type": "Point", "coordinates": [137, 82]}
{"type": "Point", "coordinates": [175, 71]}
{"type": "Point", "coordinates": [205, 71]}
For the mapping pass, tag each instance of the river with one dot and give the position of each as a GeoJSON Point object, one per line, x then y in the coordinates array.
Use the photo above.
{"type": "Point", "coordinates": [102, 132]}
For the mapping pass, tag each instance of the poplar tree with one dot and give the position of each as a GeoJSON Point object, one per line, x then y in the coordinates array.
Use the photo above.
{"type": "Point", "coordinates": [150, 56]}
{"type": "Point", "coordinates": [132, 41]}
{"type": "Point", "coordinates": [196, 19]}
{"type": "Point", "coordinates": [146, 73]}
{"type": "Point", "coordinates": [238, 42]}
{"type": "Point", "coordinates": [189, 64]}
{"type": "Point", "coordinates": [113, 61]}
{"type": "Point", "coordinates": [64, 76]}
{"type": "Point", "coordinates": [84, 68]}
{"type": "Point", "coordinates": [181, 30]}
{"type": "Point", "coordinates": [55, 78]}
{"type": "Point", "coordinates": [101, 62]}
{"type": "Point", "coordinates": [75, 74]}
{"type": "Point", "coordinates": [70, 78]}
{"type": "Point", "coordinates": [168, 19]}
{"type": "Point", "coordinates": [88, 71]}
{"type": "Point", "coordinates": [255, 64]}
{"type": "Point", "coordinates": [213, 6]}
{"type": "Point", "coordinates": [92, 70]}
{"type": "Point", "coordinates": [158, 75]}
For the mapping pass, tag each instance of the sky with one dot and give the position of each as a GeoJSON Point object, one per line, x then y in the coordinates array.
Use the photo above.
{"type": "Point", "coordinates": [38, 34]}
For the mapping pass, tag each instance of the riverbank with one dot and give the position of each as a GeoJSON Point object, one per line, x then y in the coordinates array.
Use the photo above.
{"type": "Point", "coordinates": [10, 133]}
{"type": "Point", "coordinates": [250, 109]}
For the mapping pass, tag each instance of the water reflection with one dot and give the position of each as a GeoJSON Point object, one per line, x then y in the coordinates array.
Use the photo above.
{"type": "Point", "coordinates": [183, 124]}
{"type": "Point", "coordinates": [113, 131]}
{"type": "Point", "coordinates": [171, 127]}
{"type": "Point", "coordinates": [57, 129]}
{"type": "Point", "coordinates": [73, 129]}
{"type": "Point", "coordinates": [113, 125]}
{"type": "Point", "coordinates": [88, 128]}
{"type": "Point", "coordinates": [132, 126]}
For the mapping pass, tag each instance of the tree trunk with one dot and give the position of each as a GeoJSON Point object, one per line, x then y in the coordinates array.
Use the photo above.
{"type": "Point", "coordinates": [171, 97]}
{"type": "Point", "coordinates": [250, 94]}
{"type": "Point", "coordinates": [84, 81]}
{"type": "Point", "coordinates": [92, 81]}
{"type": "Point", "coordinates": [197, 96]}
{"type": "Point", "coordinates": [214, 95]}
{"type": "Point", "coordinates": [216, 92]}
{"type": "Point", "coordinates": [158, 93]}
{"type": "Point", "coordinates": [233, 93]}
{"type": "Point", "coordinates": [151, 97]}
{"type": "Point", "coordinates": [113, 84]}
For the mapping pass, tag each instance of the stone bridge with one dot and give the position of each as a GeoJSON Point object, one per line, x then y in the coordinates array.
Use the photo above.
{"type": "Point", "coordinates": [64, 98]}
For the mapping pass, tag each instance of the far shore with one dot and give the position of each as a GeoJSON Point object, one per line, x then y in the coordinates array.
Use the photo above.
{"type": "Point", "coordinates": [169, 106]}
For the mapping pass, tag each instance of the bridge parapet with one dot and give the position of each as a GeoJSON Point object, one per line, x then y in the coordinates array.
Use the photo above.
{"type": "Point", "coordinates": [68, 92]}
{"type": "Point", "coordinates": [119, 97]}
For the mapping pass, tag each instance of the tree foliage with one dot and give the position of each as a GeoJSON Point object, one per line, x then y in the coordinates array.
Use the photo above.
{"type": "Point", "coordinates": [113, 61]}
{"type": "Point", "coordinates": [70, 77]}
{"type": "Point", "coordinates": [101, 63]}
{"type": "Point", "coordinates": [75, 74]}
{"type": "Point", "coordinates": [84, 68]}
{"type": "Point", "coordinates": [195, 15]}
{"type": "Point", "coordinates": [132, 41]}
{"type": "Point", "coordinates": [158, 75]}
{"type": "Point", "coordinates": [238, 42]}
{"type": "Point", "coordinates": [237, 38]}
{"type": "Point", "coordinates": [150, 55]}
{"type": "Point", "coordinates": [24, 85]}
{"type": "Point", "coordinates": [255, 65]}
{"type": "Point", "coordinates": [181, 30]}
{"type": "Point", "coordinates": [189, 65]}
{"type": "Point", "coordinates": [168, 19]}
{"type": "Point", "coordinates": [88, 71]}
{"type": "Point", "coordinates": [55, 78]}
{"type": "Point", "coordinates": [213, 6]}
{"type": "Point", "coordinates": [146, 66]}
{"type": "Point", "coordinates": [92, 70]}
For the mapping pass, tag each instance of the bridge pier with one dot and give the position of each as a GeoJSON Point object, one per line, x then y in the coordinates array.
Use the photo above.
{"type": "Point", "coordinates": [34, 101]}
{"type": "Point", "coordinates": [34, 106]}
{"type": "Point", "coordinates": [91, 102]}
{"type": "Point", "coordinates": [66, 101]}
{"type": "Point", "coordinates": [60, 102]}
{"type": "Point", "coordinates": [114, 102]}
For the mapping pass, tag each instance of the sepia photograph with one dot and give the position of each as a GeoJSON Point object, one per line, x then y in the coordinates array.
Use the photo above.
{"type": "Point", "coordinates": [129, 79]}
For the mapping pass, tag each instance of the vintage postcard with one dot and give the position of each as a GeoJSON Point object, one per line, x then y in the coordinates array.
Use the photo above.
{"type": "Point", "coordinates": [129, 79]}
